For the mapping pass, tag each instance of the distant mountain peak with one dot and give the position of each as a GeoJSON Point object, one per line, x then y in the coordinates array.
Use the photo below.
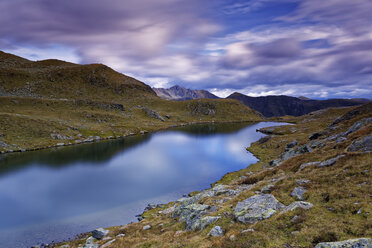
{"type": "Point", "coordinates": [180, 93]}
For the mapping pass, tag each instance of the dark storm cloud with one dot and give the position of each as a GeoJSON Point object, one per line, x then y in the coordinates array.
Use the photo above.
{"type": "Point", "coordinates": [322, 47]}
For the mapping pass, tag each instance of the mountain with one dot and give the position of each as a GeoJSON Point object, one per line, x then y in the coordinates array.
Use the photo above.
{"type": "Point", "coordinates": [271, 106]}
{"type": "Point", "coordinates": [55, 103]}
{"type": "Point", "coordinates": [63, 80]}
{"type": "Point", "coordinates": [179, 93]}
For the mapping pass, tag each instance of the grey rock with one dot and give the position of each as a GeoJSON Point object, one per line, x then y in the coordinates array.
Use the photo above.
{"type": "Point", "coordinates": [351, 243]}
{"type": "Point", "coordinates": [190, 214]}
{"type": "Point", "coordinates": [256, 208]}
{"type": "Point", "coordinates": [91, 246]}
{"type": "Point", "coordinates": [168, 210]}
{"type": "Point", "coordinates": [120, 235]}
{"type": "Point", "coordinates": [248, 230]}
{"type": "Point", "coordinates": [331, 161]}
{"type": "Point", "coordinates": [292, 144]}
{"type": "Point", "coordinates": [314, 136]}
{"type": "Point", "coordinates": [108, 243]}
{"type": "Point", "coordinates": [358, 125]}
{"type": "Point", "coordinates": [152, 114]}
{"type": "Point", "coordinates": [147, 227]}
{"type": "Point", "coordinates": [362, 145]}
{"type": "Point", "coordinates": [202, 223]}
{"type": "Point", "coordinates": [297, 204]}
{"type": "Point", "coordinates": [340, 140]}
{"type": "Point", "coordinates": [267, 188]}
{"type": "Point", "coordinates": [303, 166]}
{"type": "Point", "coordinates": [298, 193]}
{"type": "Point", "coordinates": [290, 154]}
{"type": "Point", "coordinates": [3, 144]}
{"type": "Point", "coordinates": [99, 233]}
{"type": "Point", "coordinates": [216, 232]}
{"type": "Point", "coordinates": [302, 182]}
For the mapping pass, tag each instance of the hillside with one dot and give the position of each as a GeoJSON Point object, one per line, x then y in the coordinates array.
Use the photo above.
{"type": "Point", "coordinates": [271, 106]}
{"type": "Point", "coordinates": [311, 188]}
{"type": "Point", "coordinates": [55, 103]}
{"type": "Point", "coordinates": [179, 93]}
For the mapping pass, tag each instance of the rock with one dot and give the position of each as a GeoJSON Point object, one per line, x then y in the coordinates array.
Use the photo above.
{"type": "Point", "coordinates": [152, 114]}
{"type": "Point", "coordinates": [232, 237]}
{"type": "Point", "coordinates": [362, 145]}
{"type": "Point", "coordinates": [267, 189]}
{"type": "Point", "coordinates": [120, 235]}
{"type": "Point", "coordinates": [108, 243]}
{"type": "Point", "coordinates": [358, 125]}
{"type": "Point", "coordinates": [256, 208]}
{"type": "Point", "coordinates": [351, 243]}
{"type": "Point", "coordinates": [99, 233]}
{"type": "Point", "coordinates": [168, 210]}
{"type": "Point", "coordinates": [216, 232]}
{"type": "Point", "coordinates": [340, 140]}
{"type": "Point", "coordinates": [297, 204]}
{"type": "Point", "coordinates": [292, 144]}
{"type": "Point", "coordinates": [202, 223]}
{"type": "Point", "coordinates": [314, 136]}
{"type": "Point", "coordinates": [298, 193]}
{"type": "Point", "coordinates": [298, 150]}
{"type": "Point", "coordinates": [191, 214]}
{"type": "Point", "coordinates": [90, 240]}
{"type": "Point", "coordinates": [91, 246]}
{"type": "Point", "coordinates": [179, 233]}
{"type": "Point", "coordinates": [302, 166]}
{"type": "Point", "coordinates": [302, 181]}
{"type": "Point", "coordinates": [3, 144]}
{"type": "Point", "coordinates": [331, 161]}
{"type": "Point", "coordinates": [147, 227]}
{"type": "Point", "coordinates": [248, 230]}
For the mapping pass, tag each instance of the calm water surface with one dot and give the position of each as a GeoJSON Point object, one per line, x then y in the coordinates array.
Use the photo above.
{"type": "Point", "coordinates": [55, 194]}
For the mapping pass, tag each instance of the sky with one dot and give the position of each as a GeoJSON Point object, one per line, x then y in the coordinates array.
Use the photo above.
{"type": "Point", "coordinates": [314, 48]}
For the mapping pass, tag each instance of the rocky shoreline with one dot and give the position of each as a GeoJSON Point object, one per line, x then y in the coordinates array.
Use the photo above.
{"type": "Point", "coordinates": [283, 190]}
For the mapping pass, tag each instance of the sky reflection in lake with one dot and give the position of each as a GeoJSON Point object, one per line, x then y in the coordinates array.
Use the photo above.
{"type": "Point", "coordinates": [55, 194]}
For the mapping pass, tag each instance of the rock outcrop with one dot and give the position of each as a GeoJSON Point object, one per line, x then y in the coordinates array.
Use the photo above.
{"type": "Point", "coordinates": [351, 243]}
{"type": "Point", "coordinates": [256, 208]}
{"type": "Point", "coordinates": [361, 145]}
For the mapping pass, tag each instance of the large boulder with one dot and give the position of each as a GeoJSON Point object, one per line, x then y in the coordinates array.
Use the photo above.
{"type": "Point", "coordinates": [351, 243]}
{"type": "Point", "coordinates": [256, 208]}
{"type": "Point", "coordinates": [99, 233]}
{"type": "Point", "coordinates": [362, 145]}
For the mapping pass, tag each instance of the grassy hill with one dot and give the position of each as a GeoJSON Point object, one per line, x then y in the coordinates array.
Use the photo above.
{"type": "Point", "coordinates": [51, 102]}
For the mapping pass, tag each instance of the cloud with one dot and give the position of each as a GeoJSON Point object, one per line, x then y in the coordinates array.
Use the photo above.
{"type": "Point", "coordinates": [322, 47]}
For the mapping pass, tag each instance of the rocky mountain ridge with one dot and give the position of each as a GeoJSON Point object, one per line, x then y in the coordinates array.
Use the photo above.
{"type": "Point", "coordinates": [179, 93]}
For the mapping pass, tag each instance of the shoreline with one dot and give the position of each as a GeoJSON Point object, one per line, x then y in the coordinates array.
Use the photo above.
{"type": "Point", "coordinates": [142, 132]}
{"type": "Point", "coordinates": [151, 206]}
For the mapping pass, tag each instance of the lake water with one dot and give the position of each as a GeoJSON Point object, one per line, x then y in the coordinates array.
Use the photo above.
{"type": "Point", "coordinates": [55, 194]}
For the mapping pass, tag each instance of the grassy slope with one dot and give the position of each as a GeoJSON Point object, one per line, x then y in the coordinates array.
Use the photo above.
{"type": "Point", "coordinates": [41, 98]}
{"type": "Point", "coordinates": [337, 192]}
